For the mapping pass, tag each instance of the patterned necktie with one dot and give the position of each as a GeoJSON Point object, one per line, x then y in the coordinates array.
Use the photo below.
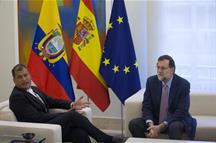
{"type": "Point", "coordinates": [38, 97]}
{"type": "Point", "coordinates": [164, 104]}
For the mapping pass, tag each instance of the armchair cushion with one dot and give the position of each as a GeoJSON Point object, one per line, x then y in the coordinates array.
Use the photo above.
{"type": "Point", "coordinates": [5, 113]}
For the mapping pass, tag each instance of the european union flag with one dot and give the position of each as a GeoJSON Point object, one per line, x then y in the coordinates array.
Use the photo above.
{"type": "Point", "coordinates": [119, 67]}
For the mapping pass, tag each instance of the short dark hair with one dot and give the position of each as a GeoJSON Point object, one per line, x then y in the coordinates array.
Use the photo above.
{"type": "Point", "coordinates": [18, 67]}
{"type": "Point", "coordinates": [170, 59]}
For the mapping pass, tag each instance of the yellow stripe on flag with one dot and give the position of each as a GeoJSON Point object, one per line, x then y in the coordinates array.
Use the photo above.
{"type": "Point", "coordinates": [49, 19]}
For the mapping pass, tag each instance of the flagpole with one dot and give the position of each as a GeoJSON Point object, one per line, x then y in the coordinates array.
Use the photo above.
{"type": "Point", "coordinates": [122, 121]}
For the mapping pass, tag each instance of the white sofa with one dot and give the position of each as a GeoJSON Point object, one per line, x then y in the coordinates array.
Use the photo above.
{"type": "Point", "coordinates": [202, 107]}
{"type": "Point", "coordinates": [10, 127]}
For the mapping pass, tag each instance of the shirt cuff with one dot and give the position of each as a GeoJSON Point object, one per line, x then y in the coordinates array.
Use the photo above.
{"type": "Point", "coordinates": [165, 122]}
{"type": "Point", "coordinates": [149, 121]}
{"type": "Point", "coordinates": [71, 104]}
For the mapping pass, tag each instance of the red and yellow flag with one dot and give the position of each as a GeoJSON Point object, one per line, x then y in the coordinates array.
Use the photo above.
{"type": "Point", "coordinates": [86, 56]}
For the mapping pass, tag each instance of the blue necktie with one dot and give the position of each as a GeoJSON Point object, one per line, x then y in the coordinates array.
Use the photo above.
{"type": "Point", "coordinates": [164, 104]}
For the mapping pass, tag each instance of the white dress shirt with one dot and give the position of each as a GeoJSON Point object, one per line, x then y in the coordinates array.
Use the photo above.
{"type": "Point", "coordinates": [34, 94]}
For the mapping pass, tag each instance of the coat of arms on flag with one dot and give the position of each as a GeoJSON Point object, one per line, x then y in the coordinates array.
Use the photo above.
{"type": "Point", "coordinates": [52, 46]}
{"type": "Point", "coordinates": [83, 33]}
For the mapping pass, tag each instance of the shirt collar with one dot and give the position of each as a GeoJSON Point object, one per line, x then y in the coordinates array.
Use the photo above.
{"type": "Point", "coordinates": [30, 91]}
{"type": "Point", "coordinates": [168, 83]}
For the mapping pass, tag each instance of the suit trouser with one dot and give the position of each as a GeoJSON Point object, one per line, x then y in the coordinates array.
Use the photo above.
{"type": "Point", "coordinates": [77, 128]}
{"type": "Point", "coordinates": [138, 128]}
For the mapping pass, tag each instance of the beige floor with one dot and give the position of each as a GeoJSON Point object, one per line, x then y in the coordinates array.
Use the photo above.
{"type": "Point", "coordinates": [108, 124]}
{"type": "Point", "coordinates": [142, 140]}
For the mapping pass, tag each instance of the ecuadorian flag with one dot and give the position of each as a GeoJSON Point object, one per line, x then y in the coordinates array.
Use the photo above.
{"type": "Point", "coordinates": [48, 63]}
{"type": "Point", "coordinates": [86, 55]}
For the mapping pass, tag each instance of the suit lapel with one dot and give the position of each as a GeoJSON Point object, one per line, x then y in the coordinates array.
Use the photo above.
{"type": "Point", "coordinates": [35, 91]}
{"type": "Point", "coordinates": [173, 90]}
{"type": "Point", "coordinates": [34, 99]}
{"type": "Point", "coordinates": [157, 92]}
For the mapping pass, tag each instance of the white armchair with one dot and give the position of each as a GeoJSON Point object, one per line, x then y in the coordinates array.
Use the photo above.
{"type": "Point", "coordinates": [10, 126]}
{"type": "Point", "coordinates": [202, 108]}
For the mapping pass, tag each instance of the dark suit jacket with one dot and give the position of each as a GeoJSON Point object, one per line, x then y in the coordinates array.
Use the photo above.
{"type": "Point", "coordinates": [179, 102]}
{"type": "Point", "coordinates": [28, 108]}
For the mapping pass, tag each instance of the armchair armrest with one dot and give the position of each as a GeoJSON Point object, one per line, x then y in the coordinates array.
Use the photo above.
{"type": "Point", "coordinates": [51, 132]}
{"type": "Point", "coordinates": [132, 109]}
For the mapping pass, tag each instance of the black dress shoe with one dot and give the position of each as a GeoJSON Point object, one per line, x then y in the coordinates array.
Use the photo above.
{"type": "Point", "coordinates": [119, 139]}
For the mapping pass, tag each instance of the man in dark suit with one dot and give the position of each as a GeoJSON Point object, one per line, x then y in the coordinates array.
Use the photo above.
{"type": "Point", "coordinates": [30, 104]}
{"type": "Point", "coordinates": [165, 105]}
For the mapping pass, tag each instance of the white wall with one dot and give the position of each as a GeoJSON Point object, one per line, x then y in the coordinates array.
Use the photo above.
{"type": "Point", "coordinates": [136, 11]}
{"type": "Point", "coordinates": [8, 46]}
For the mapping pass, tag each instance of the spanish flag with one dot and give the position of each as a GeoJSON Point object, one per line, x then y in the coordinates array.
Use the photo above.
{"type": "Point", "coordinates": [48, 63]}
{"type": "Point", "coordinates": [86, 56]}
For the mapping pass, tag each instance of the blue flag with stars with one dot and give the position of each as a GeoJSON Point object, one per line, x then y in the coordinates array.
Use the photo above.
{"type": "Point", "coordinates": [119, 67]}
